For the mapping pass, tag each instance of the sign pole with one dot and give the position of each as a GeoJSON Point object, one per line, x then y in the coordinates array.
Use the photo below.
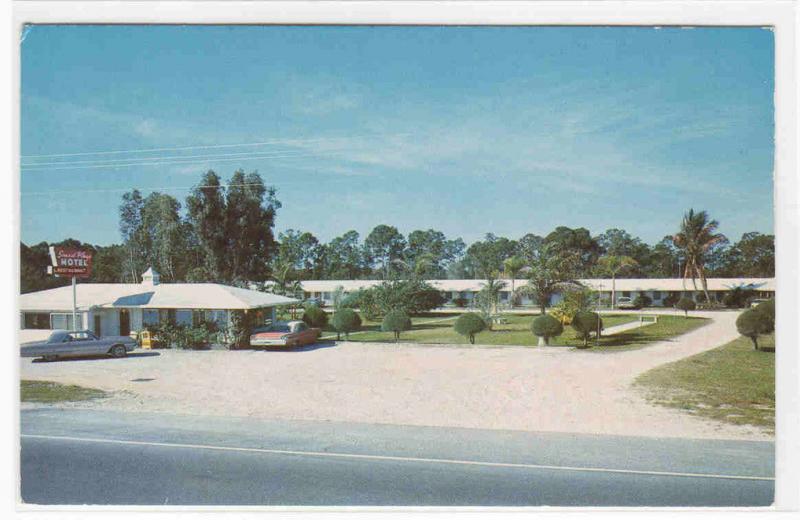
{"type": "Point", "coordinates": [74, 305]}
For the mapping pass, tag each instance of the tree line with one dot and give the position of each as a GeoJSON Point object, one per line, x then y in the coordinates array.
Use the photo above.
{"type": "Point", "coordinates": [225, 233]}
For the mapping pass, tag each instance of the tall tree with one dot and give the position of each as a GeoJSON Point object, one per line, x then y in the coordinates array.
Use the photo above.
{"type": "Point", "coordinates": [577, 243]}
{"type": "Point", "coordinates": [165, 233]}
{"type": "Point", "coordinates": [511, 268]}
{"type": "Point", "coordinates": [207, 212]}
{"type": "Point", "coordinates": [487, 256]}
{"type": "Point", "coordinates": [234, 225]}
{"type": "Point", "coordinates": [697, 236]}
{"type": "Point", "coordinates": [432, 249]}
{"type": "Point", "coordinates": [613, 265]}
{"type": "Point", "coordinates": [134, 238]}
{"type": "Point", "coordinates": [550, 270]}
{"type": "Point", "coordinates": [344, 258]}
{"type": "Point", "coordinates": [383, 246]}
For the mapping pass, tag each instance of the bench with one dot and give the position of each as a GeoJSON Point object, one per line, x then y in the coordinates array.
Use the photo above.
{"type": "Point", "coordinates": [648, 318]}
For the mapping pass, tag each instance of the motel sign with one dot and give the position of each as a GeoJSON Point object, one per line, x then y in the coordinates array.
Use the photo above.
{"type": "Point", "coordinates": [71, 262]}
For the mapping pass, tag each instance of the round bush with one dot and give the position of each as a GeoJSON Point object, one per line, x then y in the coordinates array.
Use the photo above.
{"type": "Point", "coordinates": [642, 301]}
{"type": "Point", "coordinates": [396, 321]}
{"type": "Point", "coordinates": [469, 324]}
{"type": "Point", "coordinates": [751, 323]}
{"type": "Point", "coordinates": [767, 309]}
{"type": "Point", "coordinates": [585, 323]}
{"type": "Point", "coordinates": [315, 317]}
{"type": "Point", "coordinates": [546, 326]}
{"type": "Point", "coordinates": [686, 304]}
{"type": "Point", "coordinates": [346, 321]}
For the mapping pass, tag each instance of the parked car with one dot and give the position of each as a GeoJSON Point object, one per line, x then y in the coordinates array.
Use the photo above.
{"type": "Point", "coordinates": [284, 334]}
{"type": "Point", "coordinates": [62, 343]}
{"type": "Point", "coordinates": [624, 302]}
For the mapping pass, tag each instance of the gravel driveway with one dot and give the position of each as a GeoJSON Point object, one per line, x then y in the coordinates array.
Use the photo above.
{"type": "Point", "coordinates": [517, 388]}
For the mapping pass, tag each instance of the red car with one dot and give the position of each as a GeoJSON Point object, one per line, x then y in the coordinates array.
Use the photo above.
{"type": "Point", "coordinates": [284, 334]}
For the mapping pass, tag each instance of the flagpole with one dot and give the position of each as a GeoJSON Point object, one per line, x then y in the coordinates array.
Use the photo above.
{"type": "Point", "coordinates": [74, 305]}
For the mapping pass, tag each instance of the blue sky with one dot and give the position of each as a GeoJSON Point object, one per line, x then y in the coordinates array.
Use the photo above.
{"type": "Point", "coordinates": [467, 130]}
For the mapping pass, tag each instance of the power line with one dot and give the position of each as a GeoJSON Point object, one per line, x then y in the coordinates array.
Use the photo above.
{"type": "Point", "coordinates": [264, 155]}
{"type": "Point", "coordinates": [202, 147]}
{"type": "Point", "coordinates": [171, 188]}
{"type": "Point", "coordinates": [166, 157]}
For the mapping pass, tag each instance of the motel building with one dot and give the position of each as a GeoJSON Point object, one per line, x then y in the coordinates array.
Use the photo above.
{"type": "Point", "coordinates": [118, 309]}
{"type": "Point", "coordinates": [658, 289]}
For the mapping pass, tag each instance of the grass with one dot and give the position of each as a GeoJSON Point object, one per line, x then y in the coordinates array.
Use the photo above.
{"type": "Point", "coordinates": [436, 328]}
{"type": "Point", "coordinates": [49, 392]}
{"type": "Point", "coordinates": [733, 383]}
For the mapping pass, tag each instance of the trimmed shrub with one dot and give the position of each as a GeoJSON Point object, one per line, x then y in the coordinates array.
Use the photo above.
{"type": "Point", "coordinates": [346, 321]}
{"type": "Point", "coordinates": [546, 326]}
{"type": "Point", "coordinates": [585, 323]}
{"type": "Point", "coordinates": [767, 309]}
{"type": "Point", "coordinates": [397, 322]}
{"type": "Point", "coordinates": [671, 299]}
{"type": "Point", "coordinates": [314, 316]}
{"type": "Point", "coordinates": [469, 324]}
{"type": "Point", "coordinates": [686, 304]}
{"type": "Point", "coordinates": [751, 323]}
{"type": "Point", "coordinates": [737, 297]}
{"type": "Point", "coordinates": [642, 301]}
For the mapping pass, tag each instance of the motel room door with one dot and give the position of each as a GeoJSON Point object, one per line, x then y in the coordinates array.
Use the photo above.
{"type": "Point", "coordinates": [124, 322]}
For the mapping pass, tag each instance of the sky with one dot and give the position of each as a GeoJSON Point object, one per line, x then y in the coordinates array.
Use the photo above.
{"type": "Point", "coordinates": [468, 130]}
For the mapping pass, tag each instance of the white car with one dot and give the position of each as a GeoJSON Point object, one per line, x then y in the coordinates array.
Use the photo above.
{"type": "Point", "coordinates": [624, 302]}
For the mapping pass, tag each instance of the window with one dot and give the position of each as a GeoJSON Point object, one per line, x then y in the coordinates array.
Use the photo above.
{"type": "Point", "coordinates": [36, 320]}
{"type": "Point", "coordinates": [80, 336]}
{"type": "Point", "coordinates": [149, 317]}
{"type": "Point", "coordinates": [60, 320]}
{"type": "Point", "coordinates": [626, 294]}
{"type": "Point", "coordinates": [656, 295]}
{"type": "Point", "coordinates": [183, 317]}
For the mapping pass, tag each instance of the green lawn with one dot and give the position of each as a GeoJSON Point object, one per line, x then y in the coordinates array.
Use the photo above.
{"type": "Point", "coordinates": [49, 392]}
{"type": "Point", "coordinates": [733, 383]}
{"type": "Point", "coordinates": [438, 329]}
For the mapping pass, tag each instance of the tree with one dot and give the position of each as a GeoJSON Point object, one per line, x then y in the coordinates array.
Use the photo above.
{"type": "Point", "coordinates": [344, 258]}
{"type": "Point", "coordinates": [313, 316]}
{"type": "Point", "coordinates": [767, 309]}
{"type": "Point", "coordinates": [546, 327]}
{"type": "Point", "coordinates": [696, 238]}
{"type": "Point", "coordinates": [686, 304]}
{"type": "Point", "coordinates": [488, 256]}
{"type": "Point", "coordinates": [164, 231]}
{"type": "Point", "coordinates": [512, 267]}
{"type": "Point", "coordinates": [548, 271]}
{"type": "Point", "coordinates": [586, 323]}
{"type": "Point", "coordinates": [431, 252]}
{"type": "Point", "coordinates": [345, 321]}
{"type": "Point", "coordinates": [488, 297]}
{"type": "Point", "coordinates": [233, 225]}
{"type": "Point", "coordinates": [752, 256]}
{"type": "Point", "coordinates": [134, 238]}
{"type": "Point", "coordinates": [751, 323]}
{"type": "Point", "coordinates": [383, 245]}
{"type": "Point", "coordinates": [613, 265]}
{"type": "Point", "coordinates": [664, 260]}
{"type": "Point", "coordinates": [576, 243]}
{"type": "Point", "coordinates": [302, 251]}
{"type": "Point", "coordinates": [469, 324]}
{"type": "Point", "coordinates": [396, 321]}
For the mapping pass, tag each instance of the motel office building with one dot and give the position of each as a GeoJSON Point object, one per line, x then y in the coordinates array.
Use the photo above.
{"type": "Point", "coordinates": [657, 289]}
{"type": "Point", "coordinates": [118, 309]}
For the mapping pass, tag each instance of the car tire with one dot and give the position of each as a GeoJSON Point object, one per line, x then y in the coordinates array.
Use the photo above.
{"type": "Point", "coordinates": [118, 351]}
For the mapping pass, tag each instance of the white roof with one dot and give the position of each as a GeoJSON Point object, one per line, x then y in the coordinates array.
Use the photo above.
{"type": "Point", "coordinates": [622, 284]}
{"type": "Point", "coordinates": [146, 296]}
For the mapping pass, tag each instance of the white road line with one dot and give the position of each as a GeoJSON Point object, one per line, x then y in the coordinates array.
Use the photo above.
{"type": "Point", "coordinates": [393, 458]}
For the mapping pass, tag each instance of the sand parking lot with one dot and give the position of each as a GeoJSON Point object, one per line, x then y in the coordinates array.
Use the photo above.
{"type": "Point", "coordinates": [534, 389]}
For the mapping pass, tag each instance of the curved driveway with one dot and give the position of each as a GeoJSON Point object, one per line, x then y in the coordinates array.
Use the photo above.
{"type": "Point", "coordinates": [512, 388]}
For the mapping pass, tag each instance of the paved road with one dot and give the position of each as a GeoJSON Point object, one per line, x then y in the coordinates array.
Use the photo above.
{"type": "Point", "coordinates": [101, 457]}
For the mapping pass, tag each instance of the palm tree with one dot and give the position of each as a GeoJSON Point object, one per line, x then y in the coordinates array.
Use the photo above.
{"type": "Point", "coordinates": [696, 238]}
{"type": "Point", "coordinates": [513, 266]}
{"type": "Point", "coordinates": [613, 265]}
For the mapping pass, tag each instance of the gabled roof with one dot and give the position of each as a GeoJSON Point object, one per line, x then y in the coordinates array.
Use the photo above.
{"type": "Point", "coordinates": [161, 296]}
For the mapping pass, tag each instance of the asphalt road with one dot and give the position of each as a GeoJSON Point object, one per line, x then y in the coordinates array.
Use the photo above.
{"type": "Point", "coordinates": [94, 457]}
